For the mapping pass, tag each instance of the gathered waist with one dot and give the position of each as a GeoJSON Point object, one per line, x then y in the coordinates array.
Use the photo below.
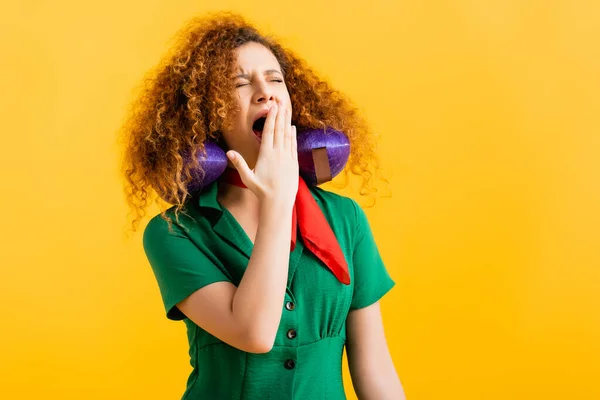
{"type": "Point", "coordinates": [311, 370]}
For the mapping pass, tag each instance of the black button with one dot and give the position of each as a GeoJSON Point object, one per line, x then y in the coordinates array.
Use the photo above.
{"type": "Point", "coordinates": [289, 364]}
{"type": "Point", "coordinates": [290, 306]}
{"type": "Point", "coordinates": [291, 333]}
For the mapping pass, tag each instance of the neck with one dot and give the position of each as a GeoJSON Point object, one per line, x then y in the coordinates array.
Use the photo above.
{"type": "Point", "coordinates": [235, 196]}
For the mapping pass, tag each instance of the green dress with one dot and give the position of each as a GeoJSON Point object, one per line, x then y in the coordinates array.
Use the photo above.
{"type": "Point", "coordinates": [306, 360]}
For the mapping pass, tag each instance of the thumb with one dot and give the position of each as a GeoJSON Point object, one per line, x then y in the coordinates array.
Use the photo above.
{"type": "Point", "coordinates": [241, 166]}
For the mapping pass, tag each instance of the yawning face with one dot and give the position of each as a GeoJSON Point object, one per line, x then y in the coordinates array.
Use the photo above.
{"type": "Point", "coordinates": [259, 84]}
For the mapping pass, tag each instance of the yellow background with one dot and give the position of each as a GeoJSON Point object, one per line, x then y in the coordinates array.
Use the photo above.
{"type": "Point", "coordinates": [489, 116]}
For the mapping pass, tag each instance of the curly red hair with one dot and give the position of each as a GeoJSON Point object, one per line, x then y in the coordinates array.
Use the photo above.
{"type": "Point", "coordinates": [189, 97]}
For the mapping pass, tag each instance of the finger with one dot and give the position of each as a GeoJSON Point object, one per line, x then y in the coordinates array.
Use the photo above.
{"type": "Point", "coordinates": [294, 143]}
{"type": "Point", "coordinates": [242, 167]}
{"type": "Point", "coordinates": [287, 141]}
{"type": "Point", "coordinates": [267, 134]}
{"type": "Point", "coordinates": [278, 135]}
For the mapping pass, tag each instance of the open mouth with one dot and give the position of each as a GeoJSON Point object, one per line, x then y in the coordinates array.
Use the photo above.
{"type": "Point", "coordinates": [258, 126]}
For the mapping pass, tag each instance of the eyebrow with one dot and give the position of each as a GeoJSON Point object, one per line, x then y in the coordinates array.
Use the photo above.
{"type": "Point", "coordinates": [267, 72]}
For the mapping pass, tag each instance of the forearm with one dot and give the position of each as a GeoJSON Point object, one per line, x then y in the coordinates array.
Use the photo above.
{"type": "Point", "coordinates": [259, 297]}
{"type": "Point", "coordinates": [374, 375]}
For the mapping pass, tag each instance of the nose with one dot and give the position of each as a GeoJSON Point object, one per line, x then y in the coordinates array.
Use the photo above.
{"type": "Point", "coordinates": [263, 94]}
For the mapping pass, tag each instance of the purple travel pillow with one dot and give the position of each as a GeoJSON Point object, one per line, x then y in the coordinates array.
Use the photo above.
{"type": "Point", "coordinates": [214, 162]}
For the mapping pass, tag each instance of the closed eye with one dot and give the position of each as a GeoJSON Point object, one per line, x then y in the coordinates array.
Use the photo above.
{"type": "Point", "coordinates": [238, 85]}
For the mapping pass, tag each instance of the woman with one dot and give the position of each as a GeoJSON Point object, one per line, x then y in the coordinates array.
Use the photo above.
{"type": "Point", "coordinates": [266, 318]}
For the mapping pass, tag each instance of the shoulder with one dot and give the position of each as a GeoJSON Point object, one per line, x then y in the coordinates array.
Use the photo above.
{"type": "Point", "coordinates": [332, 199]}
{"type": "Point", "coordinates": [171, 224]}
{"type": "Point", "coordinates": [338, 208]}
{"type": "Point", "coordinates": [157, 230]}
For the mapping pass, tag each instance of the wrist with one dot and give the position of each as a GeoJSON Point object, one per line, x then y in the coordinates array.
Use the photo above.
{"type": "Point", "coordinates": [276, 206]}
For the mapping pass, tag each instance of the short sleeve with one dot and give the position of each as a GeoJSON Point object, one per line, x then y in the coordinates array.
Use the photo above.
{"type": "Point", "coordinates": [371, 278]}
{"type": "Point", "coordinates": [179, 266]}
